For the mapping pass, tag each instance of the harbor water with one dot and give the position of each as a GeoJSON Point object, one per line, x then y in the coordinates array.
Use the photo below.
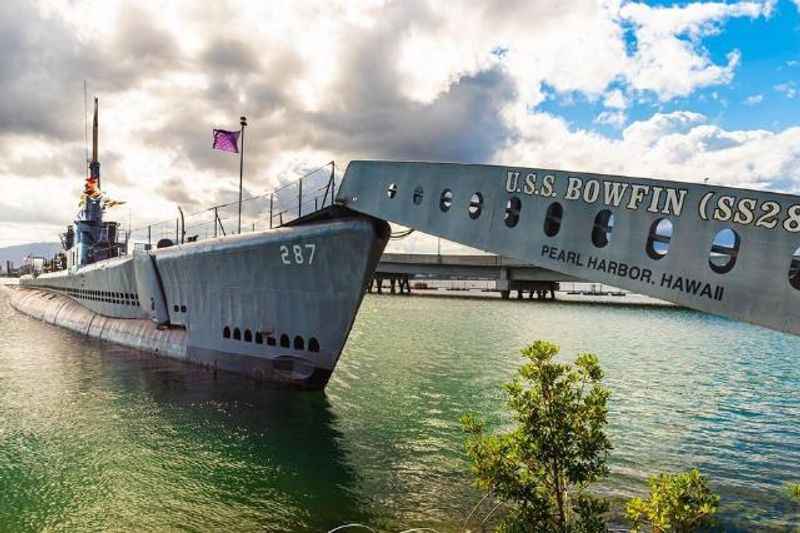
{"type": "Point", "coordinates": [95, 437]}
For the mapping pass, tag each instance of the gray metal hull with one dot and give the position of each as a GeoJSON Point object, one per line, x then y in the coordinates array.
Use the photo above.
{"type": "Point", "coordinates": [276, 305]}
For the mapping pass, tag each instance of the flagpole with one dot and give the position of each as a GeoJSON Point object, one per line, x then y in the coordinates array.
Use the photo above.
{"type": "Point", "coordinates": [243, 122]}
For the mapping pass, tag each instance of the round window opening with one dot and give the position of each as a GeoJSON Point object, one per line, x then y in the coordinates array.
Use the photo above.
{"type": "Point", "coordinates": [475, 205]}
{"type": "Point", "coordinates": [603, 226]}
{"type": "Point", "coordinates": [724, 251]}
{"type": "Point", "coordinates": [419, 194]}
{"type": "Point", "coordinates": [513, 207]}
{"type": "Point", "coordinates": [446, 200]}
{"type": "Point", "coordinates": [794, 270]}
{"type": "Point", "coordinates": [659, 238]}
{"type": "Point", "coordinates": [552, 220]}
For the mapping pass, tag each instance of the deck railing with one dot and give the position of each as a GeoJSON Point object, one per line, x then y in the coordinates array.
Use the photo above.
{"type": "Point", "coordinates": [311, 192]}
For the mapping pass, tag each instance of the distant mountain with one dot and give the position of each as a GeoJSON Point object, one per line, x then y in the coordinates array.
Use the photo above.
{"type": "Point", "coordinates": [17, 254]}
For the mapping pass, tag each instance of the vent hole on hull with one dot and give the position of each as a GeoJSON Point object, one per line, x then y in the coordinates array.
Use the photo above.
{"type": "Point", "coordinates": [313, 344]}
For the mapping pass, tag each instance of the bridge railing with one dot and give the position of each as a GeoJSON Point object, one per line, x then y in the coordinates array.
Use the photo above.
{"type": "Point", "coordinates": [311, 192]}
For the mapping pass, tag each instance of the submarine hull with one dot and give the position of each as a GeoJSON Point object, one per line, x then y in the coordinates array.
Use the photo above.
{"type": "Point", "coordinates": [277, 305]}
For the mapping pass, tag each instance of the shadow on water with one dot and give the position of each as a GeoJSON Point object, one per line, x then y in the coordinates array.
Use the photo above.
{"type": "Point", "coordinates": [276, 452]}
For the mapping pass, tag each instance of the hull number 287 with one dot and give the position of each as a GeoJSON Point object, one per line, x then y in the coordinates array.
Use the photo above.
{"type": "Point", "coordinates": [298, 254]}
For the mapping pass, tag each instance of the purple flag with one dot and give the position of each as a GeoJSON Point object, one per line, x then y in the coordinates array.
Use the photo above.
{"type": "Point", "coordinates": [226, 141]}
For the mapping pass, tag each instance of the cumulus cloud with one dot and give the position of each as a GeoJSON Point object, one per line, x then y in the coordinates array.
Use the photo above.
{"type": "Point", "coordinates": [611, 118]}
{"type": "Point", "coordinates": [668, 40]}
{"type": "Point", "coordinates": [323, 80]}
{"type": "Point", "coordinates": [616, 100]}
{"type": "Point", "coordinates": [681, 145]}
{"type": "Point", "coordinates": [788, 88]}
{"type": "Point", "coordinates": [754, 99]}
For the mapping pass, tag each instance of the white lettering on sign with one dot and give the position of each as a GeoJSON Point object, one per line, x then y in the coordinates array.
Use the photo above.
{"type": "Point", "coordinates": [658, 199]}
{"type": "Point", "coordinates": [665, 200]}
{"type": "Point", "coordinates": [747, 211]}
{"type": "Point", "coordinates": [298, 254]}
{"type": "Point", "coordinates": [667, 280]}
{"type": "Point", "coordinates": [530, 184]}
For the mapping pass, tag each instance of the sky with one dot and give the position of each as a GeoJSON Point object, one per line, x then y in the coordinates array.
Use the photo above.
{"type": "Point", "coordinates": [673, 90]}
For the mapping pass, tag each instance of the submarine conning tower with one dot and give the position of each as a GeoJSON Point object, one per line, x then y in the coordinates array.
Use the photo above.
{"type": "Point", "coordinates": [89, 221]}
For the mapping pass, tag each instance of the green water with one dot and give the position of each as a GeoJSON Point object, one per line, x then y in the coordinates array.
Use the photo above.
{"type": "Point", "coordinates": [95, 437]}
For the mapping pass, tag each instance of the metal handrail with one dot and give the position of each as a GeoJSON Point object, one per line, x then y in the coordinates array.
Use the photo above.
{"type": "Point", "coordinates": [277, 209]}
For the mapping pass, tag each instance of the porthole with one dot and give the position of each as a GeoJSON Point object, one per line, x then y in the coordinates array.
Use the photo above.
{"type": "Point", "coordinates": [183, 309]}
{"type": "Point", "coordinates": [513, 207]}
{"type": "Point", "coordinates": [794, 270]}
{"type": "Point", "coordinates": [603, 226]}
{"type": "Point", "coordinates": [299, 344]}
{"type": "Point", "coordinates": [475, 205]}
{"type": "Point", "coordinates": [313, 344]}
{"type": "Point", "coordinates": [259, 337]}
{"type": "Point", "coordinates": [552, 220]}
{"type": "Point", "coordinates": [391, 190]}
{"type": "Point", "coordinates": [271, 340]}
{"type": "Point", "coordinates": [175, 308]}
{"type": "Point", "coordinates": [248, 336]}
{"type": "Point", "coordinates": [446, 200]}
{"type": "Point", "coordinates": [237, 335]}
{"type": "Point", "coordinates": [724, 251]}
{"type": "Point", "coordinates": [285, 341]}
{"type": "Point", "coordinates": [419, 194]}
{"type": "Point", "coordinates": [659, 238]}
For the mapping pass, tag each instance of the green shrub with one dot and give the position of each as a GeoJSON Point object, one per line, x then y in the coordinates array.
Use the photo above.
{"type": "Point", "coordinates": [677, 503]}
{"type": "Point", "coordinates": [541, 468]}
{"type": "Point", "coordinates": [793, 489]}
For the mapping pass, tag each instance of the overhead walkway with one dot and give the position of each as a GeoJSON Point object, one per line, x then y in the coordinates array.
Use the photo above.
{"type": "Point", "coordinates": [727, 251]}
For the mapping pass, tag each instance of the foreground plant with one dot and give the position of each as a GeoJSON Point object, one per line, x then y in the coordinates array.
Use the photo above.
{"type": "Point", "coordinates": [793, 490]}
{"type": "Point", "coordinates": [678, 503]}
{"type": "Point", "coordinates": [541, 468]}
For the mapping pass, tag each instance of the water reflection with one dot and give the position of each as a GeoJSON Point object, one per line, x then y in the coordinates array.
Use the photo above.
{"type": "Point", "coordinates": [95, 436]}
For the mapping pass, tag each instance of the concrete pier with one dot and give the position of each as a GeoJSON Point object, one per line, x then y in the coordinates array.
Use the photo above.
{"type": "Point", "coordinates": [510, 275]}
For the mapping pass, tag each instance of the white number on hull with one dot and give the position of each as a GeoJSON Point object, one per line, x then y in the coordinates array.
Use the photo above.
{"type": "Point", "coordinates": [299, 254]}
